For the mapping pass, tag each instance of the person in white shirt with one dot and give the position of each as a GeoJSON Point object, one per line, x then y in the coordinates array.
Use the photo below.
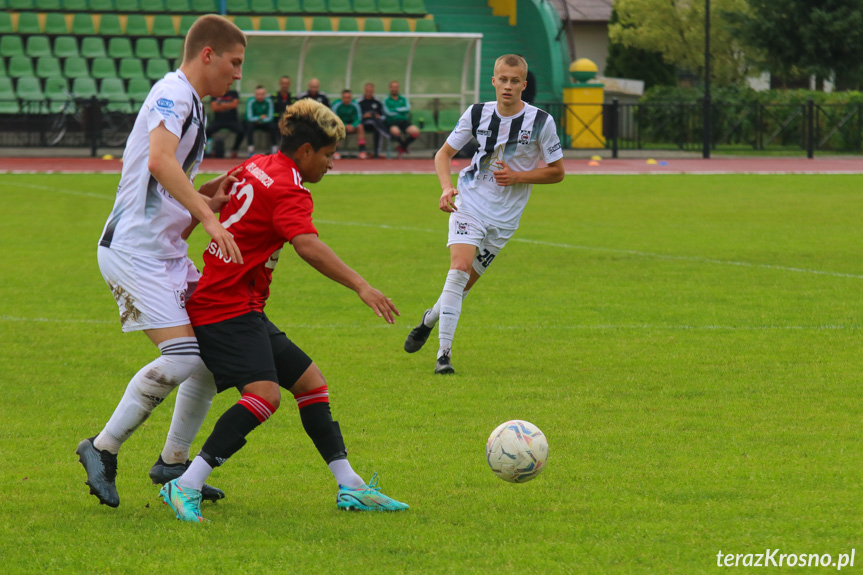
{"type": "Point", "coordinates": [142, 253]}
{"type": "Point", "coordinates": [491, 193]}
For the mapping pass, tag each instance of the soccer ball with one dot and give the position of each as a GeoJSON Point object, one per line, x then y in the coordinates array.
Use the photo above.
{"type": "Point", "coordinates": [517, 451]}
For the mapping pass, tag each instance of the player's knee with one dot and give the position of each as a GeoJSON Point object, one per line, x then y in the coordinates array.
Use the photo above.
{"type": "Point", "coordinates": [311, 379]}
{"type": "Point", "coordinates": [267, 390]}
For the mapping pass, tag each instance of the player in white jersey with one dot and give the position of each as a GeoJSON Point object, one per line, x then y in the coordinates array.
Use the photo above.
{"type": "Point", "coordinates": [142, 253]}
{"type": "Point", "coordinates": [492, 192]}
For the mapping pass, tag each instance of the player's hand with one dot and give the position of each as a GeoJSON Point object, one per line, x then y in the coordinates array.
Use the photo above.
{"type": "Point", "coordinates": [447, 200]}
{"type": "Point", "coordinates": [380, 304]}
{"type": "Point", "coordinates": [506, 176]}
{"type": "Point", "coordinates": [224, 239]}
{"type": "Point", "coordinates": [218, 197]}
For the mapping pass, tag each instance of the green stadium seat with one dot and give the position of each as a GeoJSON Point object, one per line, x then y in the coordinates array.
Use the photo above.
{"type": "Point", "coordinates": [28, 23]}
{"type": "Point", "coordinates": [289, 6]}
{"type": "Point", "coordinates": [100, 6]}
{"type": "Point", "coordinates": [348, 24]}
{"type": "Point", "coordinates": [103, 68]}
{"type": "Point", "coordinates": [426, 25]}
{"type": "Point", "coordinates": [120, 48]}
{"type": "Point", "coordinates": [82, 25]}
{"type": "Point", "coordinates": [19, 66]}
{"type": "Point", "coordinates": [205, 6]}
{"type": "Point", "coordinates": [66, 47]}
{"type": "Point", "coordinates": [138, 89]}
{"type": "Point", "coordinates": [314, 7]}
{"type": "Point", "coordinates": [447, 120]}
{"type": "Point", "coordinates": [340, 7]}
{"type": "Point", "coordinates": [373, 25]}
{"type": "Point", "coordinates": [56, 89]}
{"type": "Point", "coordinates": [8, 99]}
{"type": "Point", "coordinates": [269, 24]}
{"type": "Point", "coordinates": [172, 48]}
{"type": "Point", "coordinates": [157, 68]}
{"type": "Point", "coordinates": [5, 23]}
{"type": "Point", "coordinates": [75, 68]}
{"type": "Point", "coordinates": [84, 87]}
{"type": "Point", "coordinates": [186, 21]}
{"type": "Point", "coordinates": [365, 7]}
{"type": "Point", "coordinates": [109, 25]}
{"type": "Point", "coordinates": [261, 6]}
{"type": "Point", "coordinates": [244, 23]}
{"type": "Point", "coordinates": [38, 46]}
{"type": "Point", "coordinates": [2, 68]}
{"type": "Point", "coordinates": [390, 6]}
{"type": "Point", "coordinates": [295, 24]}
{"type": "Point", "coordinates": [127, 6]}
{"type": "Point", "coordinates": [112, 89]}
{"type": "Point", "coordinates": [131, 68]}
{"type": "Point", "coordinates": [425, 120]}
{"type": "Point", "coordinates": [146, 48]}
{"type": "Point", "coordinates": [29, 91]}
{"type": "Point", "coordinates": [178, 6]}
{"type": "Point", "coordinates": [152, 6]}
{"type": "Point", "coordinates": [55, 24]}
{"type": "Point", "coordinates": [20, 5]}
{"type": "Point", "coordinates": [237, 6]}
{"type": "Point", "coordinates": [414, 7]}
{"type": "Point", "coordinates": [163, 25]}
{"type": "Point", "coordinates": [136, 25]}
{"type": "Point", "coordinates": [75, 5]}
{"type": "Point", "coordinates": [48, 67]}
{"type": "Point", "coordinates": [93, 47]}
{"type": "Point", "coordinates": [400, 25]}
{"type": "Point", "coordinates": [322, 24]}
{"type": "Point", "coordinates": [48, 5]}
{"type": "Point", "coordinates": [11, 46]}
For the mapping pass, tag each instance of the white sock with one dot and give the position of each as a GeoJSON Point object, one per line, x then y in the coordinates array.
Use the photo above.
{"type": "Point", "coordinates": [431, 318]}
{"type": "Point", "coordinates": [345, 475]}
{"type": "Point", "coordinates": [147, 389]}
{"type": "Point", "coordinates": [450, 307]}
{"type": "Point", "coordinates": [196, 475]}
{"type": "Point", "coordinates": [194, 397]}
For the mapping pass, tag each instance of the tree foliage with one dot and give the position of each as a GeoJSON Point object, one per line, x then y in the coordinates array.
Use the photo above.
{"type": "Point", "coordinates": [803, 37]}
{"type": "Point", "coordinates": [675, 29]}
{"type": "Point", "coordinates": [630, 62]}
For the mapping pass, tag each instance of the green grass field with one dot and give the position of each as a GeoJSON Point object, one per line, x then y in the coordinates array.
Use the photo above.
{"type": "Point", "coordinates": [691, 346]}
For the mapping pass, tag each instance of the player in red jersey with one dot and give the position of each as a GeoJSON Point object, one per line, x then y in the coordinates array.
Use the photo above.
{"type": "Point", "coordinates": [269, 206]}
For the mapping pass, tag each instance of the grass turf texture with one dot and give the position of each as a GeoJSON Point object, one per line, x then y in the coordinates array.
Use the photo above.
{"type": "Point", "coordinates": [689, 344]}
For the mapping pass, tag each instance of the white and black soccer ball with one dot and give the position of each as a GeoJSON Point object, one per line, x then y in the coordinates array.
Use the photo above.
{"type": "Point", "coordinates": [517, 451]}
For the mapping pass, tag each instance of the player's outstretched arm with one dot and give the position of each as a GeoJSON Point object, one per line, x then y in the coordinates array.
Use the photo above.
{"type": "Point", "coordinates": [321, 257]}
{"type": "Point", "coordinates": [442, 163]}
{"type": "Point", "coordinates": [166, 169]}
{"type": "Point", "coordinates": [550, 174]}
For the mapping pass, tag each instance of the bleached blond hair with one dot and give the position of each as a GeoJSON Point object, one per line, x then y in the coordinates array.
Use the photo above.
{"type": "Point", "coordinates": [309, 121]}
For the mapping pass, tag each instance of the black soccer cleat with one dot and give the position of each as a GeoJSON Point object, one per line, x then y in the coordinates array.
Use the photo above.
{"type": "Point", "coordinates": [101, 468]}
{"type": "Point", "coordinates": [418, 336]}
{"type": "Point", "coordinates": [162, 473]}
{"type": "Point", "coordinates": [444, 365]}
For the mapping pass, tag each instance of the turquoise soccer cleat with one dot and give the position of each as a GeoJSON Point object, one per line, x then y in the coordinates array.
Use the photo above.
{"type": "Point", "coordinates": [184, 502]}
{"type": "Point", "coordinates": [368, 498]}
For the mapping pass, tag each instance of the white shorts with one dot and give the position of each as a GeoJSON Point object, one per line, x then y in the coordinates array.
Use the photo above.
{"type": "Point", "coordinates": [150, 293]}
{"type": "Point", "coordinates": [465, 228]}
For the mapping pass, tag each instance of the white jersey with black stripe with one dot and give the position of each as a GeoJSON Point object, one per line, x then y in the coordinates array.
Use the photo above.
{"type": "Point", "coordinates": [521, 141]}
{"type": "Point", "coordinates": [146, 220]}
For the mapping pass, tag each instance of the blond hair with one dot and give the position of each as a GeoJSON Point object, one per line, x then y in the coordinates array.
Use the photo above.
{"type": "Point", "coordinates": [214, 31]}
{"type": "Point", "coordinates": [512, 60]}
{"type": "Point", "coordinates": [309, 121]}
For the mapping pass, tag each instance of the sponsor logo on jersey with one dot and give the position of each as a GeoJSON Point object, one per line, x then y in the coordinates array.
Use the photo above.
{"type": "Point", "coordinates": [165, 103]}
{"type": "Point", "coordinates": [554, 148]}
{"type": "Point", "coordinates": [485, 133]}
{"type": "Point", "coordinates": [524, 137]}
{"type": "Point", "coordinates": [165, 107]}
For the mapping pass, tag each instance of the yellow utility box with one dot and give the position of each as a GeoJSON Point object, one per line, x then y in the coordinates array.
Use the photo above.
{"type": "Point", "coordinates": [583, 102]}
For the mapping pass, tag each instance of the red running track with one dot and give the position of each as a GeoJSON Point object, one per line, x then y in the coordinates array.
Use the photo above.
{"type": "Point", "coordinates": [724, 165]}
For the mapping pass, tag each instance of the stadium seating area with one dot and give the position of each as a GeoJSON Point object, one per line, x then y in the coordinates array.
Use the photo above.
{"type": "Point", "coordinates": [116, 49]}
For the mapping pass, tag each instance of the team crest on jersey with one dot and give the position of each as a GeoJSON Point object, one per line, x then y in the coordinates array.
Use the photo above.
{"type": "Point", "coordinates": [181, 298]}
{"type": "Point", "coordinates": [462, 228]}
{"type": "Point", "coordinates": [524, 137]}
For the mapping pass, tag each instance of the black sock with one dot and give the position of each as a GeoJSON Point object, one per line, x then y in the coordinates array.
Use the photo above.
{"type": "Point", "coordinates": [229, 434]}
{"type": "Point", "coordinates": [324, 432]}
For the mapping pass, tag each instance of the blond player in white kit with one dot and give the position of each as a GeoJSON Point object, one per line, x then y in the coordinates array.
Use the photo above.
{"type": "Point", "coordinates": [492, 192]}
{"type": "Point", "coordinates": [142, 253]}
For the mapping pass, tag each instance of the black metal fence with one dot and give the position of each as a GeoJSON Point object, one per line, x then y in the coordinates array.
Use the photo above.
{"type": "Point", "coordinates": [804, 128]}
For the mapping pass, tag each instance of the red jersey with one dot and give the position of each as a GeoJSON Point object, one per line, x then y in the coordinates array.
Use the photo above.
{"type": "Point", "coordinates": [268, 207]}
